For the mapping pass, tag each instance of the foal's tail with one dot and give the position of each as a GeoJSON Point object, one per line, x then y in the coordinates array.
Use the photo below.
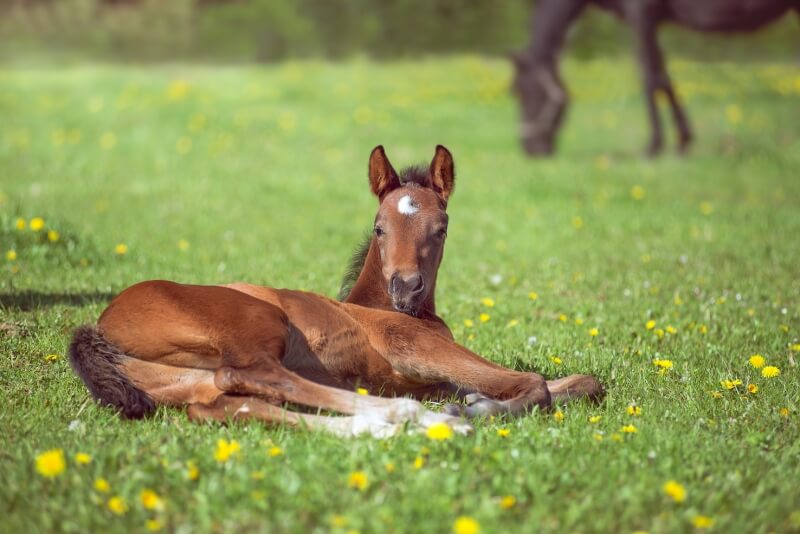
{"type": "Point", "coordinates": [96, 360]}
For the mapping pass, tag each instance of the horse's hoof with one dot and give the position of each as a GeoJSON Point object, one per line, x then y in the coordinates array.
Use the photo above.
{"type": "Point", "coordinates": [456, 410]}
{"type": "Point", "coordinates": [484, 407]}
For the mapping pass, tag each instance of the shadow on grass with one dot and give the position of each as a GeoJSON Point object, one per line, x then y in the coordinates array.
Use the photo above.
{"type": "Point", "coordinates": [31, 300]}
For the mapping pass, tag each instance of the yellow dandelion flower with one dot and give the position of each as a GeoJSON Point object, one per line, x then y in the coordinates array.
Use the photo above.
{"type": "Point", "coordinates": [558, 416]}
{"type": "Point", "coordinates": [637, 192]}
{"type": "Point", "coordinates": [466, 525]}
{"type": "Point", "coordinates": [53, 236]}
{"type": "Point", "coordinates": [439, 432]}
{"type": "Point", "coordinates": [469, 323]}
{"type": "Point", "coordinates": [675, 490]}
{"type": "Point", "coordinates": [11, 255]}
{"type": "Point", "coordinates": [488, 302]}
{"type": "Point", "coordinates": [51, 463]}
{"type": "Point", "coordinates": [419, 462]}
{"type": "Point", "coordinates": [671, 330]}
{"type": "Point", "coordinates": [634, 410]}
{"type": "Point", "coordinates": [795, 347]}
{"type": "Point", "coordinates": [192, 472]}
{"type": "Point", "coordinates": [706, 208]}
{"type": "Point", "coordinates": [701, 521]}
{"type": "Point", "coordinates": [770, 371]}
{"type": "Point", "coordinates": [82, 458]}
{"type": "Point", "coordinates": [730, 384]}
{"type": "Point", "coordinates": [102, 485]}
{"type": "Point", "coordinates": [650, 324]}
{"type": "Point", "coordinates": [733, 113]}
{"type": "Point", "coordinates": [678, 300]}
{"type": "Point", "coordinates": [784, 412]}
{"type": "Point", "coordinates": [716, 394]}
{"type": "Point", "coordinates": [703, 329]}
{"type": "Point", "coordinates": [594, 419]}
{"type": "Point", "coordinates": [555, 359]}
{"type": "Point", "coordinates": [121, 249]}
{"type": "Point", "coordinates": [533, 295]}
{"type": "Point", "coordinates": [757, 361]}
{"type": "Point", "coordinates": [578, 321]}
{"type": "Point", "coordinates": [503, 432]}
{"type": "Point", "coordinates": [52, 357]}
{"type": "Point", "coordinates": [663, 364]}
{"type": "Point", "coordinates": [183, 245]}
{"type": "Point", "coordinates": [20, 223]}
{"type": "Point", "coordinates": [153, 525]}
{"type": "Point", "coordinates": [362, 391]}
{"type": "Point", "coordinates": [752, 388]}
{"type": "Point", "coordinates": [616, 437]}
{"type": "Point", "coordinates": [751, 312]}
{"type": "Point", "coordinates": [150, 500]}
{"type": "Point", "coordinates": [117, 505]}
{"type": "Point", "coordinates": [659, 333]}
{"type": "Point", "coordinates": [507, 502]}
{"type": "Point", "coordinates": [36, 224]}
{"type": "Point", "coordinates": [226, 449]}
{"type": "Point", "coordinates": [484, 317]}
{"type": "Point", "coordinates": [177, 90]}
{"type": "Point", "coordinates": [563, 318]}
{"type": "Point", "coordinates": [338, 521]}
{"type": "Point", "coordinates": [275, 451]}
{"type": "Point", "coordinates": [108, 140]}
{"type": "Point", "coordinates": [594, 332]}
{"type": "Point", "coordinates": [389, 466]}
{"type": "Point", "coordinates": [629, 429]}
{"type": "Point", "coordinates": [512, 323]}
{"type": "Point", "coordinates": [598, 436]}
{"type": "Point", "coordinates": [358, 480]}
{"type": "Point", "coordinates": [577, 222]}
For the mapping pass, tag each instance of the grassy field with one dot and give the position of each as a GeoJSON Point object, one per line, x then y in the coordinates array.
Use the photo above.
{"type": "Point", "coordinates": [212, 174]}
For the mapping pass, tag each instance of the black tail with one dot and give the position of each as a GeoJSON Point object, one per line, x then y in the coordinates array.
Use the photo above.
{"type": "Point", "coordinates": [95, 360]}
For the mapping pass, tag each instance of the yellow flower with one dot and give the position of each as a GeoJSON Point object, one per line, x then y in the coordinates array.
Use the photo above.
{"type": "Point", "coordinates": [37, 223]}
{"type": "Point", "coordinates": [469, 323]}
{"type": "Point", "coordinates": [338, 521]}
{"type": "Point", "coordinates": [650, 324]}
{"type": "Point", "coordinates": [362, 391]}
{"type": "Point", "coordinates": [555, 359]}
{"type": "Point", "coordinates": [53, 236]}
{"type": "Point", "coordinates": [594, 332]}
{"type": "Point", "coordinates": [594, 419]}
{"type": "Point", "coordinates": [389, 467]}
{"type": "Point", "coordinates": [150, 500]}
{"type": "Point", "coordinates": [20, 223]}
{"type": "Point", "coordinates": [672, 330]}
{"type": "Point", "coordinates": [275, 451]}
{"type": "Point", "coordinates": [784, 412]}
{"type": "Point", "coordinates": [663, 364]}
{"type": "Point", "coordinates": [563, 318]}
{"type": "Point", "coordinates": [512, 323]}
{"type": "Point", "coordinates": [419, 462]}
{"type": "Point", "coordinates": [358, 480]}
{"type": "Point", "coordinates": [558, 416]}
{"type": "Point", "coordinates": [716, 394]}
{"type": "Point", "coordinates": [577, 222]}
{"type": "Point", "coordinates": [192, 472]}
{"type": "Point", "coordinates": [706, 207]}
{"type": "Point", "coordinates": [598, 436]}
{"type": "Point", "coordinates": [11, 255]}
{"type": "Point", "coordinates": [770, 371]}
{"type": "Point", "coordinates": [507, 502]}
{"type": "Point", "coordinates": [488, 302]}
{"type": "Point", "coordinates": [533, 295]}
{"type": "Point", "coordinates": [733, 113]}
{"type": "Point", "coordinates": [51, 463]}
{"type": "Point", "coordinates": [503, 432]}
{"type": "Point", "coordinates": [439, 432]}
{"type": "Point", "coordinates": [675, 490]}
{"type": "Point", "coordinates": [226, 449]}
{"type": "Point", "coordinates": [757, 361]}
{"type": "Point", "coordinates": [752, 388]}
{"type": "Point", "coordinates": [703, 329]}
{"type": "Point", "coordinates": [616, 437]}
{"type": "Point", "coordinates": [102, 485]}
{"type": "Point", "coordinates": [628, 429]}
{"type": "Point", "coordinates": [153, 525]}
{"type": "Point", "coordinates": [183, 245]}
{"type": "Point", "coordinates": [634, 410]}
{"type": "Point", "coordinates": [82, 458]}
{"type": "Point", "coordinates": [795, 347]}
{"type": "Point", "coordinates": [484, 317]}
{"type": "Point", "coordinates": [117, 505]}
{"type": "Point", "coordinates": [659, 333]}
{"type": "Point", "coordinates": [466, 525]}
{"type": "Point", "coordinates": [637, 192]}
{"type": "Point", "coordinates": [52, 357]}
{"type": "Point", "coordinates": [108, 140]}
{"type": "Point", "coordinates": [730, 384]}
{"type": "Point", "coordinates": [702, 521]}
{"type": "Point", "coordinates": [121, 249]}
{"type": "Point", "coordinates": [177, 90]}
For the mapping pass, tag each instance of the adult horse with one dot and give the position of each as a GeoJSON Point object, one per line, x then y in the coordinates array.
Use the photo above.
{"type": "Point", "coordinates": [242, 350]}
{"type": "Point", "coordinates": [543, 97]}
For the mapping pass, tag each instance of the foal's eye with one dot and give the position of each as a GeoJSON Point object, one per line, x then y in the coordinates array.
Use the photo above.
{"type": "Point", "coordinates": [378, 231]}
{"type": "Point", "coordinates": [442, 233]}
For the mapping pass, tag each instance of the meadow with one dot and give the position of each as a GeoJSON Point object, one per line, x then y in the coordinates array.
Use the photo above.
{"type": "Point", "coordinates": [664, 278]}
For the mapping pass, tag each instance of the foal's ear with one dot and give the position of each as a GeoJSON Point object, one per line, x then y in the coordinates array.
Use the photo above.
{"type": "Point", "coordinates": [382, 176]}
{"type": "Point", "coordinates": [442, 175]}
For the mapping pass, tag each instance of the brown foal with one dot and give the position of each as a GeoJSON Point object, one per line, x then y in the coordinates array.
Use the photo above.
{"type": "Point", "coordinates": [242, 351]}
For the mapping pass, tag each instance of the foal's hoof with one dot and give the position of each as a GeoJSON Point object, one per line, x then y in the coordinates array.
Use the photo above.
{"type": "Point", "coordinates": [484, 407]}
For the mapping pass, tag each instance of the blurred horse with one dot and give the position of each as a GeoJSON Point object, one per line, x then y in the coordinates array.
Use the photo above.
{"type": "Point", "coordinates": [543, 97]}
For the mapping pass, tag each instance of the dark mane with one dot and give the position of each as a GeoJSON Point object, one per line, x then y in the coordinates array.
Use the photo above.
{"type": "Point", "coordinates": [416, 174]}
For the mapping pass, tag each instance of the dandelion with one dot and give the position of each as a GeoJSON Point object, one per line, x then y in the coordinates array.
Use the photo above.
{"type": "Point", "coordinates": [53, 236]}
{"type": "Point", "coordinates": [358, 480]}
{"type": "Point", "coordinates": [598, 436]}
{"type": "Point", "coordinates": [703, 329]}
{"type": "Point", "coordinates": [577, 222]}
{"type": "Point", "coordinates": [183, 245]}
{"type": "Point", "coordinates": [671, 330]}
{"type": "Point", "coordinates": [484, 317]}
{"type": "Point", "coordinates": [594, 332]}
{"type": "Point", "coordinates": [11, 255]}
{"type": "Point", "coordinates": [637, 192]}
{"type": "Point", "coordinates": [675, 490]}
{"type": "Point", "coordinates": [389, 466]}
{"type": "Point", "coordinates": [488, 302]}
{"type": "Point", "coordinates": [82, 458]}
{"type": "Point", "coordinates": [439, 432]}
{"type": "Point", "coordinates": [102, 485]}
{"type": "Point", "coordinates": [555, 359]}
{"type": "Point", "coordinates": [512, 323]}
{"type": "Point", "coordinates": [733, 113]}
{"type": "Point", "coordinates": [752, 389]}
{"type": "Point", "coordinates": [226, 449]}
{"type": "Point", "coordinates": [784, 412]}
{"type": "Point", "coordinates": [757, 361]}
{"type": "Point", "coordinates": [108, 140]}
{"type": "Point", "coordinates": [659, 333]}
{"type": "Point", "coordinates": [616, 437]}
{"type": "Point", "coordinates": [716, 394]}
{"type": "Point", "coordinates": [702, 521]}
{"type": "Point", "coordinates": [52, 357]}
{"type": "Point", "coordinates": [649, 325]}
{"type": "Point", "coordinates": [770, 371]}
{"type": "Point", "coordinates": [338, 521]}
{"type": "Point", "coordinates": [362, 391]}
{"type": "Point", "coordinates": [20, 223]}
{"type": "Point", "coordinates": [629, 429]}
{"type": "Point", "coordinates": [51, 463]}
{"type": "Point", "coordinates": [533, 295]}
{"type": "Point", "coordinates": [795, 347]}
{"type": "Point", "coordinates": [664, 365]}
{"type": "Point", "coordinates": [466, 525]}
{"type": "Point", "coordinates": [730, 384]}
{"type": "Point", "coordinates": [419, 463]}
{"type": "Point", "coordinates": [503, 432]}
{"type": "Point", "coordinates": [634, 410]}
{"type": "Point", "coordinates": [177, 90]}
{"type": "Point", "coordinates": [117, 505]}
{"type": "Point", "coordinates": [469, 323]}
{"type": "Point", "coordinates": [507, 502]}
{"type": "Point", "coordinates": [37, 223]}
{"type": "Point", "coordinates": [153, 525]}
{"type": "Point", "coordinates": [121, 249]}
{"type": "Point", "coordinates": [706, 208]}
{"type": "Point", "coordinates": [563, 318]}
{"type": "Point", "coordinates": [192, 472]}
{"type": "Point", "coordinates": [558, 416]}
{"type": "Point", "coordinates": [594, 419]}
{"type": "Point", "coordinates": [578, 321]}
{"type": "Point", "coordinates": [150, 500]}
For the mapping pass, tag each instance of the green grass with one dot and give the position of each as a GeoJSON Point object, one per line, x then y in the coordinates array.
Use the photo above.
{"type": "Point", "coordinates": [273, 190]}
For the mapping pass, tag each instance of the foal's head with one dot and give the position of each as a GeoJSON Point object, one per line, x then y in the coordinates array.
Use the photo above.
{"type": "Point", "coordinates": [411, 225]}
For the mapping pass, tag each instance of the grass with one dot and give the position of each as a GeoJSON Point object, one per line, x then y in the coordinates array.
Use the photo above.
{"type": "Point", "coordinates": [211, 174]}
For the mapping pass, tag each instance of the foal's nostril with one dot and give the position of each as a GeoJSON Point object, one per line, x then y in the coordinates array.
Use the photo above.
{"type": "Point", "coordinates": [415, 284]}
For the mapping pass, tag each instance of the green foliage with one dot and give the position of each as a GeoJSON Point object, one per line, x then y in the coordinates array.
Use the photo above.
{"type": "Point", "coordinates": [211, 175]}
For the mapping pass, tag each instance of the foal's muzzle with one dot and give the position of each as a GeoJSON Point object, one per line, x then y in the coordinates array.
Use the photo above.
{"type": "Point", "coordinates": [406, 291]}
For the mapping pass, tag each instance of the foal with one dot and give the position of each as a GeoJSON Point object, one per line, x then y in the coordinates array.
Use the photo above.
{"type": "Point", "coordinates": [242, 350]}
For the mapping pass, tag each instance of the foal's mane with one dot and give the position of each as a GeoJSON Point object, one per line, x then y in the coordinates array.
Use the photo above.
{"type": "Point", "coordinates": [414, 175]}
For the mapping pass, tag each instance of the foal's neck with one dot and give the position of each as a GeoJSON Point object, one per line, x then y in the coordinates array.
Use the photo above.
{"type": "Point", "coordinates": [370, 289]}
